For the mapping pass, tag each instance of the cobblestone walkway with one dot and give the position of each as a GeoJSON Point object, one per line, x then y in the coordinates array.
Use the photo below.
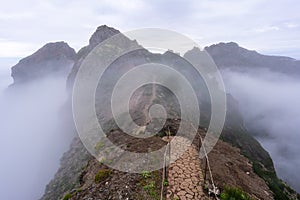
{"type": "Point", "coordinates": [184, 175]}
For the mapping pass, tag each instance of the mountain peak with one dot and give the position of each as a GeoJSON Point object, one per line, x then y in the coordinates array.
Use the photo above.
{"type": "Point", "coordinates": [54, 57]}
{"type": "Point", "coordinates": [228, 44]}
{"type": "Point", "coordinates": [102, 33]}
{"type": "Point", "coordinates": [193, 52]}
{"type": "Point", "coordinates": [231, 55]}
{"type": "Point", "coordinates": [224, 45]}
{"type": "Point", "coordinates": [49, 51]}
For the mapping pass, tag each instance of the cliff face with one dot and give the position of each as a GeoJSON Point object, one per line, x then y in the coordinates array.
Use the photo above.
{"type": "Point", "coordinates": [102, 33]}
{"type": "Point", "coordinates": [52, 59]}
{"type": "Point", "coordinates": [76, 170]}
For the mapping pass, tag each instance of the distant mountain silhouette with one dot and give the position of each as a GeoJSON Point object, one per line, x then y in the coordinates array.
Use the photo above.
{"type": "Point", "coordinates": [231, 55]}
{"type": "Point", "coordinates": [53, 58]}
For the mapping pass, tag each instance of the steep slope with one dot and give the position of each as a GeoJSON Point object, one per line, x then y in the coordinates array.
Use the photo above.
{"type": "Point", "coordinates": [77, 157]}
{"type": "Point", "coordinates": [230, 168]}
{"type": "Point", "coordinates": [230, 55]}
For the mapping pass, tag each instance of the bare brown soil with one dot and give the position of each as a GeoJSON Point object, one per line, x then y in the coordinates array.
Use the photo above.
{"type": "Point", "coordinates": [228, 166]}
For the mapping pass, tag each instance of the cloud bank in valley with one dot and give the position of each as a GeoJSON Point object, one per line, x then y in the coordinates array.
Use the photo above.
{"type": "Point", "coordinates": [5, 78]}
{"type": "Point", "coordinates": [32, 140]}
{"type": "Point", "coordinates": [270, 105]}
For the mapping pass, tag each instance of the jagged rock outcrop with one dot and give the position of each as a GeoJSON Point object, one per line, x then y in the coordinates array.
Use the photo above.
{"type": "Point", "coordinates": [52, 59]}
{"type": "Point", "coordinates": [102, 33]}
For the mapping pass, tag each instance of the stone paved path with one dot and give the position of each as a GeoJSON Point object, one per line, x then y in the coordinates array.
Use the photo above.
{"type": "Point", "coordinates": [184, 175]}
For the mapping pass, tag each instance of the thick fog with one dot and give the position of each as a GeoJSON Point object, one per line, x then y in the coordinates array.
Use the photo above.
{"type": "Point", "coordinates": [5, 78]}
{"type": "Point", "coordinates": [269, 102]}
{"type": "Point", "coordinates": [32, 137]}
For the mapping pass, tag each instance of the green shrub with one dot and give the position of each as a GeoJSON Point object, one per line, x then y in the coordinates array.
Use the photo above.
{"type": "Point", "coordinates": [232, 193]}
{"type": "Point", "coordinates": [79, 190]}
{"type": "Point", "coordinates": [150, 186]}
{"type": "Point", "coordinates": [275, 185]}
{"type": "Point", "coordinates": [67, 196]}
{"type": "Point", "coordinates": [152, 193]}
{"type": "Point", "coordinates": [146, 174]}
{"type": "Point", "coordinates": [102, 174]}
{"type": "Point", "coordinates": [165, 183]}
{"type": "Point", "coordinates": [161, 134]}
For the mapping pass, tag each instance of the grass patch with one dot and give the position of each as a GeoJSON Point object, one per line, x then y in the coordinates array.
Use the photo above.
{"type": "Point", "coordinates": [233, 193]}
{"type": "Point", "coordinates": [166, 183]}
{"type": "Point", "coordinates": [67, 196]}
{"type": "Point", "coordinates": [102, 174]}
{"type": "Point", "coordinates": [150, 183]}
{"type": "Point", "coordinates": [150, 186]}
{"type": "Point", "coordinates": [275, 184]}
{"type": "Point", "coordinates": [146, 174]}
{"type": "Point", "coordinates": [262, 162]}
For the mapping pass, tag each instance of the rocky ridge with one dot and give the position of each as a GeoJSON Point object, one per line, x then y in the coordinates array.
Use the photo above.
{"type": "Point", "coordinates": [67, 179]}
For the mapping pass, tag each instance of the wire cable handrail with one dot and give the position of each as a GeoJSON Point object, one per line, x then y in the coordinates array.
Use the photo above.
{"type": "Point", "coordinates": [215, 189]}
{"type": "Point", "coordinates": [164, 172]}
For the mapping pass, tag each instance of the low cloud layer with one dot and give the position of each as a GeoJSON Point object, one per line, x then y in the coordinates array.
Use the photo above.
{"type": "Point", "coordinates": [270, 104]}
{"type": "Point", "coordinates": [5, 71]}
{"type": "Point", "coordinates": [32, 140]}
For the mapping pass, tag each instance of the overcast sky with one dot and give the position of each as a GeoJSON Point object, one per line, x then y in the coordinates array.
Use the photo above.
{"type": "Point", "coordinates": [271, 27]}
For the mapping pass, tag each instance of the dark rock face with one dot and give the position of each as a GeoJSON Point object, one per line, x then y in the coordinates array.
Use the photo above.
{"type": "Point", "coordinates": [231, 55]}
{"type": "Point", "coordinates": [101, 34]}
{"type": "Point", "coordinates": [53, 58]}
{"type": "Point", "coordinates": [66, 177]}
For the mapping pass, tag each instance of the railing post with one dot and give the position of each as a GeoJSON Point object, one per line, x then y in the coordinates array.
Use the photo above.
{"type": "Point", "coordinates": [205, 170]}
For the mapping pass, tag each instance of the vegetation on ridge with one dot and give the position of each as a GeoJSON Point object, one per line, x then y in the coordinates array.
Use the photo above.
{"type": "Point", "coordinates": [262, 163]}
{"type": "Point", "coordinates": [233, 193]}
